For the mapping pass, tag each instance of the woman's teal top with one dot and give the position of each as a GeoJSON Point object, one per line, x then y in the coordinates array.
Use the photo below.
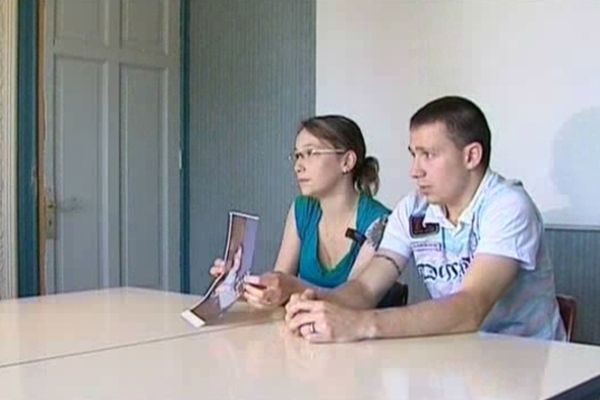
{"type": "Point", "coordinates": [308, 214]}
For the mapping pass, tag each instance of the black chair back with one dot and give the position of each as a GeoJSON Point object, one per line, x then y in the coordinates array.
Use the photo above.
{"type": "Point", "coordinates": [396, 296]}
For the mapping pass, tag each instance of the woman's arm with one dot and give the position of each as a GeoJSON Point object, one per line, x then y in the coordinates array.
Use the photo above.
{"type": "Point", "coordinates": [369, 247]}
{"type": "Point", "coordinates": [289, 250]}
{"type": "Point", "coordinates": [365, 254]}
{"type": "Point", "coordinates": [275, 288]}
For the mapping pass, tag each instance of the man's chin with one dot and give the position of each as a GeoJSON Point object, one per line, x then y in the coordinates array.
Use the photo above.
{"type": "Point", "coordinates": [432, 199]}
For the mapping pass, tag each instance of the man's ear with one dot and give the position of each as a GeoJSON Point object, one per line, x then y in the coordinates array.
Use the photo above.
{"type": "Point", "coordinates": [473, 155]}
{"type": "Point", "coordinates": [349, 161]}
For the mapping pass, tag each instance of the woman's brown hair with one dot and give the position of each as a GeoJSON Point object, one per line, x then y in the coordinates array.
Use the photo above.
{"type": "Point", "coordinates": [343, 133]}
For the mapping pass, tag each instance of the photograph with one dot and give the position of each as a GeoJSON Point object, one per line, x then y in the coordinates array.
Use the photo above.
{"type": "Point", "coordinates": [238, 256]}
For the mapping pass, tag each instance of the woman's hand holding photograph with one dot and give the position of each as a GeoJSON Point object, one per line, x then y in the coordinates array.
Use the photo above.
{"type": "Point", "coordinates": [269, 290]}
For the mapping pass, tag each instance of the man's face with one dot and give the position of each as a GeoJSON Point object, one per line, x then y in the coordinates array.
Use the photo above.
{"type": "Point", "coordinates": [439, 166]}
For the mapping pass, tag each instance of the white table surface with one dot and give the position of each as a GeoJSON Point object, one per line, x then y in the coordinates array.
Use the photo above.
{"type": "Point", "coordinates": [37, 328]}
{"type": "Point", "coordinates": [262, 361]}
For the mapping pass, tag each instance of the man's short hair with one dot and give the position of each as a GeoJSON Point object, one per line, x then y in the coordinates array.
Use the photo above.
{"type": "Point", "coordinates": [464, 121]}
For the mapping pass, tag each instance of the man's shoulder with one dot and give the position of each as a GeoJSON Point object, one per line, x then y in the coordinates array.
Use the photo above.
{"type": "Point", "coordinates": [504, 192]}
{"type": "Point", "coordinates": [507, 196]}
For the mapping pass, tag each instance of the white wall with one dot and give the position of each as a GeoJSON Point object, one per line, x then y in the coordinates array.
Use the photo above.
{"type": "Point", "coordinates": [532, 66]}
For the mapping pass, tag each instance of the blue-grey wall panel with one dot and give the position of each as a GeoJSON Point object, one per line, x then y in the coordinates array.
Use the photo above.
{"type": "Point", "coordinates": [252, 79]}
{"type": "Point", "coordinates": [576, 258]}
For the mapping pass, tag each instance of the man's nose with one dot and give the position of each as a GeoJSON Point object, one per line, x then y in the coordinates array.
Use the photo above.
{"type": "Point", "coordinates": [415, 169]}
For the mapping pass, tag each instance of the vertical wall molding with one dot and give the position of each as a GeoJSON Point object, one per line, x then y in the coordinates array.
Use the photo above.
{"type": "Point", "coordinates": [8, 148]}
{"type": "Point", "coordinates": [184, 255]}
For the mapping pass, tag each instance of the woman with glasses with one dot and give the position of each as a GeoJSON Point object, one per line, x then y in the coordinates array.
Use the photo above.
{"type": "Point", "coordinates": [334, 226]}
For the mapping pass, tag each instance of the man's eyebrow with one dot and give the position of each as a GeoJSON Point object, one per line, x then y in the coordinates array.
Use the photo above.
{"type": "Point", "coordinates": [418, 148]}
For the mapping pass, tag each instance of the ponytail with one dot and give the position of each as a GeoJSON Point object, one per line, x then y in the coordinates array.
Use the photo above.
{"type": "Point", "coordinates": [366, 177]}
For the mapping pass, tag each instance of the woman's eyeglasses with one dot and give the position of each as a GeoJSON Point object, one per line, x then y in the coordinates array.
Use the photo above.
{"type": "Point", "coordinates": [310, 153]}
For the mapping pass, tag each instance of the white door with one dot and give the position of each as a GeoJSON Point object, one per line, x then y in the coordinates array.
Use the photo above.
{"type": "Point", "coordinates": [111, 148]}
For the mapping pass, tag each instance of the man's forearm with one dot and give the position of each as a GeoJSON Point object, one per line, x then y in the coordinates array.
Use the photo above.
{"type": "Point", "coordinates": [454, 314]}
{"type": "Point", "coordinates": [352, 295]}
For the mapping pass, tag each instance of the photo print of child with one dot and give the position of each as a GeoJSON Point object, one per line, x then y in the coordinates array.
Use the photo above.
{"type": "Point", "coordinates": [239, 253]}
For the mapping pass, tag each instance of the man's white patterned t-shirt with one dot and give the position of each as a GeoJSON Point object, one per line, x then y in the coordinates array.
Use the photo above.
{"type": "Point", "coordinates": [502, 220]}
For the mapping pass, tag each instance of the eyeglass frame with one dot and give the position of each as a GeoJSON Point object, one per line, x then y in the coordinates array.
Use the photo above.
{"type": "Point", "coordinates": [307, 154]}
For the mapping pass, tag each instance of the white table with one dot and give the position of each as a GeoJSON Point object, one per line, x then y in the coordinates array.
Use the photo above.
{"type": "Point", "coordinates": [250, 356]}
{"type": "Point", "coordinates": [37, 328]}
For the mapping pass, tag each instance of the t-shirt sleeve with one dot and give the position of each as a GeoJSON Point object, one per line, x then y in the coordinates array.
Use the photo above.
{"type": "Point", "coordinates": [375, 231]}
{"type": "Point", "coordinates": [396, 238]}
{"type": "Point", "coordinates": [511, 227]}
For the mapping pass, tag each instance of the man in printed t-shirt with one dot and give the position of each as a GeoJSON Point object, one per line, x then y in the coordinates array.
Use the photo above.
{"type": "Point", "coordinates": [476, 239]}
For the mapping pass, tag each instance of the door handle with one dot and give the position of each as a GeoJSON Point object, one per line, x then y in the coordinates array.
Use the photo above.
{"type": "Point", "coordinates": [50, 216]}
{"type": "Point", "coordinates": [69, 205]}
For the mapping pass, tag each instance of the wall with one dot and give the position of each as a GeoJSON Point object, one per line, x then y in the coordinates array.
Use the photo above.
{"type": "Point", "coordinates": [528, 64]}
{"type": "Point", "coordinates": [252, 79]}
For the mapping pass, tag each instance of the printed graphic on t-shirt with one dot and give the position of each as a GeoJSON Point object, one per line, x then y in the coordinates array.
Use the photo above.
{"type": "Point", "coordinates": [418, 227]}
{"type": "Point", "coordinates": [444, 272]}
{"type": "Point", "coordinates": [426, 246]}
{"type": "Point", "coordinates": [442, 260]}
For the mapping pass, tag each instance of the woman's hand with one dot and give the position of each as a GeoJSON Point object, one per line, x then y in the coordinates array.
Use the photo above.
{"type": "Point", "coordinates": [227, 278]}
{"type": "Point", "coordinates": [269, 290]}
{"type": "Point", "coordinates": [218, 268]}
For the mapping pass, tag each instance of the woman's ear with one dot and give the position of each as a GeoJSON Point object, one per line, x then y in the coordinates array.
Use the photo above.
{"type": "Point", "coordinates": [473, 155]}
{"type": "Point", "coordinates": [349, 161]}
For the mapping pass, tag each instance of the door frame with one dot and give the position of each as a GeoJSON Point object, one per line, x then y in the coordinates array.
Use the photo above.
{"type": "Point", "coordinates": [29, 263]}
{"type": "Point", "coordinates": [27, 240]}
{"type": "Point", "coordinates": [8, 148]}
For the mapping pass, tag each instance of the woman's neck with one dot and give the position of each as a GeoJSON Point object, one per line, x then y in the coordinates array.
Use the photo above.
{"type": "Point", "coordinates": [338, 205]}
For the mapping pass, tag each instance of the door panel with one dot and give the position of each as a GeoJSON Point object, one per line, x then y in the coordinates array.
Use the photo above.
{"type": "Point", "coordinates": [83, 21]}
{"type": "Point", "coordinates": [142, 133]}
{"type": "Point", "coordinates": [144, 25]}
{"type": "Point", "coordinates": [112, 143]}
{"type": "Point", "coordinates": [79, 128]}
